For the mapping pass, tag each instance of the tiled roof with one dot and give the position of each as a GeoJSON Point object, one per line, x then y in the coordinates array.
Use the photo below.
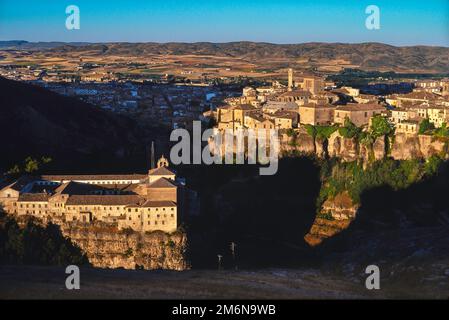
{"type": "Point", "coordinates": [162, 183]}
{"type": "Point", "coordinates": [94, 177]}
{"type": "Point", "coordinates": [152, 204]}
{"type": "Point", "coordinates": [296, 93]}
{"type": "Point", "coordinates": [34, 197]}
{"type": "Point", "coordinates": [113, 200]}
{"type": "Point", "coordinates": [360, 107]}
{"type": "Point", "coordinates": [161, 171]}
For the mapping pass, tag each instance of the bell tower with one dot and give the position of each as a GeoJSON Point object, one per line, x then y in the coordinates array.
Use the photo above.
{"type": "Point", "coordinates": [290, 79]}
{"type": "Point", "coordinates": [162, 162]}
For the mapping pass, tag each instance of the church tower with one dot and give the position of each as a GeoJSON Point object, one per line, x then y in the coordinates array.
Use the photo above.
{"type": "Point", "coordinates": [162, 162]}
{"type": "Point", "coordinates": [290, 79]}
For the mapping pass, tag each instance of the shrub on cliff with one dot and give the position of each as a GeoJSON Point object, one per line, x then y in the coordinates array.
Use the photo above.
{"type": "Point", "coordinates": [425, 126]}
{"type": "Point", "coordinates": [349, 130]}
{"type": "Point", "coordinates": [34, 244]}
{"type": "Point", "coordinates": [442, 132]}
{"type": "Point", "coordinates": [380, 126]}
{"type": "Point", "coordinates": [352, 177]}
{"type": "Point", "coordinates": [320, 132]}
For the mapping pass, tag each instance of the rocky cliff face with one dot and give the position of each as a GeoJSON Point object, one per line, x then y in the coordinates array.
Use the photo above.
{"type": "Point", "coordinates": [406, 147]}
{"type": "Point", "coordinates": [336, 215]}
{"type": "Point", "coordinates": [106, 247]}
{"type": "Point", "coordinates": [403, 147]}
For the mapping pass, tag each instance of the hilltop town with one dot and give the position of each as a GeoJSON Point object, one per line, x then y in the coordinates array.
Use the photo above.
{"type": "Point", "coordinates": [311, 105]}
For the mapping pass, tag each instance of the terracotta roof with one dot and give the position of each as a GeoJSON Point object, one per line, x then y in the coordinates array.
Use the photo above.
{"type": "Point", "coordinates": [419, 96]}
{"type": "Point", "coordinates": [152, 204]}
{"type": "Point", "coordinates": [20, 183]}
{"type": "Point", "coordinates": [94, 177]}
{"type": "Point", "coordinates": [360, 107]}
{"type": "Point", "coordinates": [285, 115]}
{"type": "Point", "coordinates": [162, 183]}
{"type": "Point", "coordinates": [34, 197]}
{"type": "Point", "coordinates": [113, 200]}
{"type": "Point", "coordinates": [314, 105]}
{"type": "Point", "coordinates": [244, 107]}
{"type": "Point", "coordinates": [296, 93]}
{"type": "Point", "coordinates": [161, 171]}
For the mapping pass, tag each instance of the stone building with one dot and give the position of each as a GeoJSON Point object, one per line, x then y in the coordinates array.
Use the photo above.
{"type": "Point", "coordinates": [313, 84]}
{"type": "Point", "coordinates": [359, 114]}
{"type": "Point", "coordinates": [141, 202]}
{"type": "Point", "coordinates": [316, 114]}
{"type": "Point", "coordinates": [410, 127]}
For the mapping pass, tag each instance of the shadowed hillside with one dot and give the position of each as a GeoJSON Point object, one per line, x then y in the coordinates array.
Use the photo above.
{"type": "Point", "coordinates": [36, 122]}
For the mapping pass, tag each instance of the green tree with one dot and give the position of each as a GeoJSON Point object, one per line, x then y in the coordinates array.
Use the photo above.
{"type": "Point", "coordinates": [380, 126]}
{"type": "Point", "coordinates": [425, 126]}
{"type": "Point", "coordinates": [442, 132]}
{"type": "Point", "coordinates": [349, 130]}
{"type": "Point", "coordinates": [31, 165]}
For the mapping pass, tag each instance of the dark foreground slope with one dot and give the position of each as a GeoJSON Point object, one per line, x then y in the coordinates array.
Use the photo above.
{"type": "Point", "coordinates": [36, 122]}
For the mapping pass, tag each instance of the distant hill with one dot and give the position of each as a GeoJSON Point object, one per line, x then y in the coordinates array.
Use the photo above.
{"type": "Point", "coordinates": [369, 56]}
{"type": "Point", "coordinates": [37, 122]}
{"type": "Point", "coordinates": [25, 45]}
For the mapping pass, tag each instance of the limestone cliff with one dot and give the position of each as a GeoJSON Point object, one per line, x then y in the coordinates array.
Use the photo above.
{"type": "Point", "coordinates": [107, 247]}
{"type": "Point", "coordinates": [401, 147]}
{"type": "Point", "coordinates": [406, 147]}
{"type": "Point", "coordinates": [345, 148]}
{"type": "Point", "coordinates": [335, 215]}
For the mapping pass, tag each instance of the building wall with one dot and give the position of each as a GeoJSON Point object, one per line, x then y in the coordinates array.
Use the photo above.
{"type": "Point", "coordinates": [316, 115]}
{"type": "Point", "coordinates": [8, 198]}
{"type": "Point", "coordinates": [162, 194]}
{"type": "Point", "coordinates": [358, 117]}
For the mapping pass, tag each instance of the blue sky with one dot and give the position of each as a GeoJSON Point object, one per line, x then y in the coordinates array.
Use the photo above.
{"type": "Point", "coordinates": [409, 22]}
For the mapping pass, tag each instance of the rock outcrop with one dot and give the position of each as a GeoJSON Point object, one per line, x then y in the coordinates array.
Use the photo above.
{"type": "Point", "coordinates": [402, 147]}
{"type": "Point", "coordinates": [107, 247]}
{"type": "Point", "coordinates": [336, 215]}
{"type": "Point", "coordinates": [344, 148]}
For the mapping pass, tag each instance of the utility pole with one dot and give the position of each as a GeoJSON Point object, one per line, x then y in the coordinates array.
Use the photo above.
{"type": "Point", "coordinates": [219, 256]}
{"type": "Point", "coordinates": [233, 246]}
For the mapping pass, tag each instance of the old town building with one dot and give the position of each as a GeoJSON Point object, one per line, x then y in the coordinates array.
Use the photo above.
{"type": "Point", "coordinates": [139, 202]}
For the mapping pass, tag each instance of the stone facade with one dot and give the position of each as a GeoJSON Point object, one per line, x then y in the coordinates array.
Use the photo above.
{"type": "Point", "coordinates": [139, 202]}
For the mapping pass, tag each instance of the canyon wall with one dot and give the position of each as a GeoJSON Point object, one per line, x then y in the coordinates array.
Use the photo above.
{"type": "Point", "coordinates": [403, 146]}
{"type": "Point", "coordinates": [107, 247]}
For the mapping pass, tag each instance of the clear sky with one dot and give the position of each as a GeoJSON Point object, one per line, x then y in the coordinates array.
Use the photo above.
{"type": "Point", "coordinates": [403, 22]}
